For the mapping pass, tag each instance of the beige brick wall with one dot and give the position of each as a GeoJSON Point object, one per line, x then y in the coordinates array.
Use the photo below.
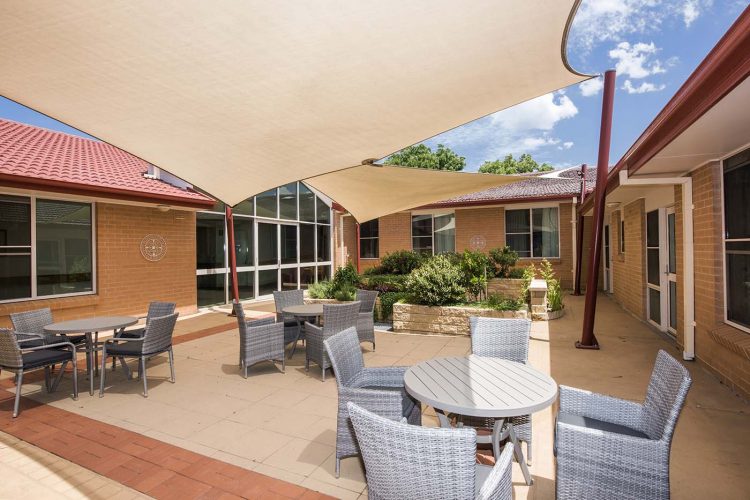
{"type": "Point", "coordinates": [629, 268]}
{"type": "Point", "coordinates": [349, 240]}
{"type": "Point", "coordinates": [486, 222]}
{"type": "Point", "coordinates": [126, 282]}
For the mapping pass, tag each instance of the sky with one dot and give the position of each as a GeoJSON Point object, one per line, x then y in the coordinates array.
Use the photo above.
{"type": "Point", "coordinates": [653, 44]}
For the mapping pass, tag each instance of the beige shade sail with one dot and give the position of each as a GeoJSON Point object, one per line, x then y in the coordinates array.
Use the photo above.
{"type": "Point", "coordinates": [371, 191]}
{"type": "Point", "coordinates": [238, 97]}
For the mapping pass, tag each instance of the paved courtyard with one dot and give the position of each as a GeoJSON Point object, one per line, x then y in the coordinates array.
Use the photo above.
{"type": "Point", "coordinates": [283, 425]}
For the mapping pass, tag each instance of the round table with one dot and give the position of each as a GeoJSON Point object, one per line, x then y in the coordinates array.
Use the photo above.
{"type": "Point", "coordinates": [484, 387]}
{"type": "Point", "coordinates": [302, 311]}
{"type": "Point", "coordinates": [91, 328]}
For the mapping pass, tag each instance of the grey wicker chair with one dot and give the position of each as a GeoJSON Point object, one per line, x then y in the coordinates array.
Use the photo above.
{"type": "Point", "coordinates": [260, 340]}
{"type": "Point", "coordinates": [366, 318]}
{"type": "Point", "coordinates": [155, 310]}
{"type": "Point", "coordinates": [506, 339]}
{"type": "Point", "coordinates": [336, 318]}
{"type": "Point", "coordinates": [156, 339]}
{"type": "Point", "coordinates": [409, 461]}
{"type": "Point", "coordinates": [29, 327]}
{"type": "Point", "coordinates": [286, 298]}
{"type": "Point", "coordinates": [21, 359]}
{"type": "Point", "coordinates": [612, 448]}
{"type": "Point", "coordinates": [378, 389]}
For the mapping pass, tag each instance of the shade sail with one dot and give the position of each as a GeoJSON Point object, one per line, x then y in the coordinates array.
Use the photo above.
{"type": "Point", "coordinates": [371, 191]}
{"type": "Point", "coordinates": [237, 97]}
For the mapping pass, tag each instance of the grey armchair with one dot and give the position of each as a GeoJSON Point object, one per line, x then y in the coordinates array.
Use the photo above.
{"type": "Point", "coordinates": [156, 339]}
{"type": "Point", "coordinates": [409, 461]}
{"type": "Point", "coordinates": [612, 448]}
{"type": "Point", "coordinates": [20, 359]}
{"type": "Point", "coordinates": [336, 318]}
{"type": "Point", "coordinates": [286, 298]}
{"type": "Point", "coordinates": [29, 328]}
{"type": "Point", "coordinates": [366, 319]}
{"type": "Point", "coordinates": [156, 309]}
{"type": "Point", "coordinates": [260, 340]}
{"type": "Point", "coordinates": [378, 389]}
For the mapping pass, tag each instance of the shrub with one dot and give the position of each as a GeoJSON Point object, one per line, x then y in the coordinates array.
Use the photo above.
{"type": "Point", "coordinates": [345, 293]}
{"type": "Point", "coordinates": [474, 268]}
{"type": "Point", "coordinates": [516, 273]}
{"type": "Point", "coordinates": [400, 262]}
{"type": "Point", "coordinates": [387, 300]}
{"type": "Point", "coordinates": [554, 290]}
{"type": "Point", "coordinates": [503, 259]}
{"type": "Point", "coordinates": [437, 282]}
{"type": "Point", "coordinates": [500, 303]}
{"type": "Point", "coordinates": [529, 273]}
{"type": "Point", "coordinates": [345, 276]}
{"type": "Point", "coordinates": [321, 290]}
{"type": "Point", "coordinates": [384, 283]}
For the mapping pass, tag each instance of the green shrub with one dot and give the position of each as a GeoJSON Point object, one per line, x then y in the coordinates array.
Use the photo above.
{"type": "Point", "coordinates": [474, 267]}
{"type": "Point", "coordinates": [387, 300]}
{"type": "Point", "coordinates": [320, 290]}
{"type": "Point", "coordinates": [345, 276]}
{"type": "Point", "coordinates": [503, 259]}
{"type": "Point", "coordinates": [400, 262]}
{"type": "Point", "coordinates": [437, 282]}
{"type": "Point", "coordinates": [384, 282]}
{"type": "Point", "coordinates": [516, 273]}
{"type": "Point", "coordinates": [529, 273]}
{"type": "Point", "coordinates": [554, 290]}
{"type": "Point", "coordinates": [500, 303]}
{"type": "Point", "coordinates": [372, 271]}
{"type": "Point", "coordinates": [345, 293]}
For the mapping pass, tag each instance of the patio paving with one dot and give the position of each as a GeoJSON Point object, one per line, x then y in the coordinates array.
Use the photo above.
{"type": "Point", "coordinates": [283, 425]}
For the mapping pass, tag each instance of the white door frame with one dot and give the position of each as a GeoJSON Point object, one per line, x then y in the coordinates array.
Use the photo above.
{"type": "Point", "coordinates": [608, 277]}
{"type": "Point", "coordinates": [670, 274]}
{"type": "Point", "coordinates": [664, 274]}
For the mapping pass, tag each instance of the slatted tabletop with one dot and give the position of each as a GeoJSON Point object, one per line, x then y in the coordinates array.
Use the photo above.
{"type": "Point", "coordinates": [96, 324]}
{"type": "Point", "coordinates": [480, 386]}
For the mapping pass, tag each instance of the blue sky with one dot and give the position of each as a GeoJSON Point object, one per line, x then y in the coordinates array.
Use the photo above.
{"type": "Point", "coordinates": [654, 45]}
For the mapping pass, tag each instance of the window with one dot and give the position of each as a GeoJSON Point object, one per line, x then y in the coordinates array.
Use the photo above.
{"type": "Point", "coordinates": [622, 235]}
{"type": "Point", "coordinates": [737, 238]}
{"type": "Point", "coordinates": [433, 234]}
{"type": "Point", "coordinates": [368, 240]}
{"type": "Point", "coordinates": [62, 244]}
{"type": "Point", "coordinates": [533, 232]}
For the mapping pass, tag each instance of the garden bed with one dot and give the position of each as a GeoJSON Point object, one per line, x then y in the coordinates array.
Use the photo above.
{"type": "Point", "coordinates": [446, 320]}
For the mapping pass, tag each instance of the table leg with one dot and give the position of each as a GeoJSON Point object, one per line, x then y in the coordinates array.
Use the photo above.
{"type": "Point", "coordinates": [296, 339]}
{"type": "Point", "coordinates": [499, 433]}
{"type": "Point", "coordinates": [90, 359]}
{"type": "Point", "coordinates": [96, 354]}
{"type": "Point", "coordinates": [519, 454]}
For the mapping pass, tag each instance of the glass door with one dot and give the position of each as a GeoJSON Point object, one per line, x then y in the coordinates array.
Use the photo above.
{"type": "Point", "coordinates": [278, 257]}
{"type": "Point", "coordinates": [607, 261]}
{"type": "Point", "coordinates": [671, 271]}
{"type": "Point", "coordinates": [653, 268]}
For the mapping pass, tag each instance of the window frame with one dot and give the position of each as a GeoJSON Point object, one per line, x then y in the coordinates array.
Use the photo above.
{"type": "Point", "coordinates": [530, 209]}
{"type": "Point", "coordinates": [432, 227]}
{"type": "Point", "coordinates": [370, 238]}
{"type": "Point", "coordinates": [622, 233]}
{"type": "Point", "coordinates": [32, 221]}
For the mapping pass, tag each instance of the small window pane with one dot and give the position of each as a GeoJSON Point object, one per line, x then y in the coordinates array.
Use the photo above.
{"type": "Point", "coordinates": [306, 204]}
{"type": "Point", "coordinates": [245, 284]}
{"type": "Point", "coordinates": [288, 244]}
{"type": "Point", "coordinates": [265, 204]}
{"type": "Point", "coordinates": [652, 229]}
{"type": "Point", "coordinates": [63, 247]}
{"type": "Point", "coordinates": [267, 244]}
{"type": "Point", "coordinates": [652, 257]}
{"type": "Point", "coordinates": [654, 305]}
{"type": "Point", "coordinates": [306, 276]}
{"type": "Point", "coordinates": [519, 243]}
{"type": "Point", "coordinates": [546, 233]}
{"type": "Point", "coordinates": [15, 221]}
{"type": "Point", "coordinates": [307, 242]}
{"type": "Point", "coordinates": [422, 244]}
{"type": "Point", "coordinates": [209, 241]}
{"type": "Point", "coordinates": [244, 208]}
{"type": "Point", "coordinates": [673, 305]}
{"type": "Point", "coordinates": [622, 236]}
{"type": "Point", "coordinates": [323, 211]}
{"type": "Point", "coordinates": [211, 289]}
{"type": "Point", "coordinates": [672, 243]}
{"type": "Point", "coordinates": [268, 281]}
{"type": "Point", "coordinates": [737, 199]}
{"type": "Point", "coordinates": [368, 248]}
{"type": "Point", "coordinates": [289, 279]}
{"type": "Point", "coordinates": [369, 229]}
{"type": "Point", "coordinates": [324, 273]}
{"type": "Point", "coordinates": [517, 221]}
{"type": "Point", "coordinates": [243, 241]}
{"type": "Point", "coordinates": [445, 233]}
{"type": "Point", "coordinates": [288, 201]}
{"type": "Point", "coordinates": [15, 276]}
{"type": "Point", "coordinates": [738, 282]}
{"type": "Point", "coordinates": [324, 243]}
{"type": "Point", "coordinates": [421, 225]}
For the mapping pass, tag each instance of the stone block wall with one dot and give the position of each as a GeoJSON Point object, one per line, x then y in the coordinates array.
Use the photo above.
{"type": "Point", "coordinates": [443, 320]}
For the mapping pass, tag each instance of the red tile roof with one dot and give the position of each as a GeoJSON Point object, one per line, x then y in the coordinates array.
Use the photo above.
{"type": "Point", "coordinates": [38, 158]}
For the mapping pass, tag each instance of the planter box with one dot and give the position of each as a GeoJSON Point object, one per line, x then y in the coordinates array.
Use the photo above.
{"type": "Point", "coordinates": [322, 301]}
{"type": "Point", "coordinates": [446, 320]}
{"type": "Point", "coordinates": [548, 315]}
{"type": "Point", "coordinates": [507, 287]}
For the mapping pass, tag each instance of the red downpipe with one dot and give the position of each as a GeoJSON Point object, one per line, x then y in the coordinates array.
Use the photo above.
{"type": "Point", "coordinates": [358, 266]}
{"type": "Point", "coordinates": [579, 233]}
{"type": "Point", "coordinates": [588, 339]}
{"type": "Point", "coordinates": [232, 254]}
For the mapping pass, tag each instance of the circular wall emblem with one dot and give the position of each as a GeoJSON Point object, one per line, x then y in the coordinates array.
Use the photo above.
{"type": "Point", "coordinates": [477, 242]}
{"type": "Point", "coordinates": [153, 247]}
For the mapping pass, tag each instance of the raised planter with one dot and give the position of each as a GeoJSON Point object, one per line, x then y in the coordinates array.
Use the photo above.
{"type": "Point", "coordinates": [507, 287]}
{"type": "Point", "coordinates": [322, 301]}
{"type": "Point", "coordinates": [446, 320]}
{"type": "Point", "coordinates": [548, 315]}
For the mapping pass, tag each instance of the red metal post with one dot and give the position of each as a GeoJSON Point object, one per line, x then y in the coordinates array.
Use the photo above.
{"type": "Point", "coordinates": [579, 234]}
{"type": "Point", "coordinates": [588, 339]}
{"type": "Point", "coordinates": [232, 251]}
{"type": "Point", "coordinates": [358, 267]}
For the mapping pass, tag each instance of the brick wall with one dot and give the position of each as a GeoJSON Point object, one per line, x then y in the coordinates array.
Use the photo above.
{"type": "Point", "coordinates": [349, 240]}
{"type": "Point", "coordinates": [629, 268]}
{"type": "Point", "coordinates": [488, 223]}
{"type": "Point", "coordinates": [126, 282]}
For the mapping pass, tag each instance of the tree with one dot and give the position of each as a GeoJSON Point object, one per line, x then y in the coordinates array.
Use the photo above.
{"type": "Point", "coordinates": [421, 156]}
{"type": "Point", "coordinates": [509, 165]}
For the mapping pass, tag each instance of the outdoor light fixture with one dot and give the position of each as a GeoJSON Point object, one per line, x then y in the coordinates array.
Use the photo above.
{"type": "Point", "coordinates": [162, 208]}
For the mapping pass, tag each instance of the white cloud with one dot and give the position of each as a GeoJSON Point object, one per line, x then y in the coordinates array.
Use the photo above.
{"type": "Point", "coordinates": [567, 145]}
{"type": "Point", "coordinates": [642, 88]}
{"type": "Point", "coordinates": [541, 113]}
{"type": "Point", "coordinates": [634, 61]}
{"type": "Point", "coordinates": [690, 12]}
{"type": "Point", "coordinates": [534, 143]}
{"type": "Point", "coordinates": [591, 87]}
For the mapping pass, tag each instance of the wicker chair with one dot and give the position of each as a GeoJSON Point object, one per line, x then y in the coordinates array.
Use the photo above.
{"type": "Point", "coordinates": [155, 310]}
{"type": "Point", "coordinates": [29, 328]}
{"type": "Point", "coordinates": [612, 448]}
{"type": "Point", "coordinates": [18, 359]}
{"type": "Point", "coordinates": [378, 389]}
{"type": "Point", "coordinates": [505, 339]}
{"type": "Point", "coordinates": [336, 318]}
{"type": "Point", "coordinates": [409, 461]}
{"type": "Point", "coordinates": [260, 340]}
{"type": "Point", "coordinates": [156, 339]}
{"type": "Point", "coordinates": [366, 319]}
{"type": "Point", "coordinates": [286, 298]}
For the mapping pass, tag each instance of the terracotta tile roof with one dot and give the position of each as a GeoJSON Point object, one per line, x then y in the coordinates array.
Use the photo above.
{"type": "Point", "coordinates": [35, 156]}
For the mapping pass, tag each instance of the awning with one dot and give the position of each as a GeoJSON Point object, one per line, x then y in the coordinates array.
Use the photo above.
{"type": "Point", "coordinates": [371, 191]}
{"type": "Point", "coordinates": [238, 97]}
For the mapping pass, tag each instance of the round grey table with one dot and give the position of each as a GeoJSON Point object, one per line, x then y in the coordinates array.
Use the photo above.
{"type": "Point", "coordinates": [484, 387]}
{"type": "Point", "coordinates": [91, 328]}
{"type": "Point", "coordinates": [302, 312]}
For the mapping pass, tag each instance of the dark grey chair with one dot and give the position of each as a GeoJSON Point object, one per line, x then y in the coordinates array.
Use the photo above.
{"type": "Point", "coordinates": [156, 339]}
{"type": "Point", "coordinates": [286, 298]}
{"type": "Point", "coordinates": [260, 340]}
{"type": "Point", "coordinates": [20, 359]}
{"type": "Point", "coordinates": [410, 461]}
{"type": "Point", "coordinates": [29, 326]}
{"type": "Point", "coordinates": [378, 389]}
{"type": "Point", "coordinates": [366, 318]}
{"type": "Point", "coordinates": [612, 448]}
{"type": "Point", "coordinates": [156, 309]}
{"type": "Point", "coordinates": [336, 318]}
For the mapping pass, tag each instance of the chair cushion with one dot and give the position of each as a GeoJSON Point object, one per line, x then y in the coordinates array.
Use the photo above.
{"type": "Point", "coordinates": [73, 339]}
{"type": "Point", "coordinates": [131, 334]}
{"type": "Point", "coordinates": [44, 357]}
{"type": "Point", "coordinates": [599, 425]}
{"type": "Point", "coordinates": [125, 349]}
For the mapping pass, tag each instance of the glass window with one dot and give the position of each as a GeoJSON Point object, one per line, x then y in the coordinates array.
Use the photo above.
{"type": "Point", "coordinates": [533, 232]}
{"type": "Point", "coordinates": [421, 233]}
{"type": "Point", "coordinates": [324, 273]}
{"type": "Point", "coordinates": [15, 247]}
{"type": "Point", "coordinates": [306, 204]}
{"type": "Point", "coordinates": [268, 281]}
{"type": "Point", "coordinates": [672, 243]}
{"type": "Point", "coordinates": [244, 208]}
{"type": "Point", "coordinates": [63, 247]}
{"type": "Point", "coordinates": [306, 276]}
{"type": "Point", "coordinates": [737, 237]}
{"type": "Point", "coordinates": [211, 289]}
{"type": "Point", "coordinates": [289, 278]}
{"type": "Point", "coordinates": [368, 239]}
{"type": "Point", "coordinates": [445, 233]}
{"type": "Point", "coordinates": [622, 236]}
{"type": "Point", "coordinates": [265, 204]}
{"type": "Point", "coordinates": [307, 242]}
{"type": "Point", "coordinates": [267, 244]}
{"type": "Point", "coordinates": [324, 243]}
{"type": "Point", "coordinates": [245, 284]}
{"type": "Point", "coordinates": [288, 201]}
{"type": "Point", "coordinates": [243, 241]}
{"type": "Point", "coordinates": [323, 211]}
{"type": "Point", "coordinates": [209, 240]}
{"type": "Point", "coordinates": [654, 305]}
{"type": "Point", "coordinates": [288, 244]}
{"type": "Point", "coordinates": [433, 233]}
